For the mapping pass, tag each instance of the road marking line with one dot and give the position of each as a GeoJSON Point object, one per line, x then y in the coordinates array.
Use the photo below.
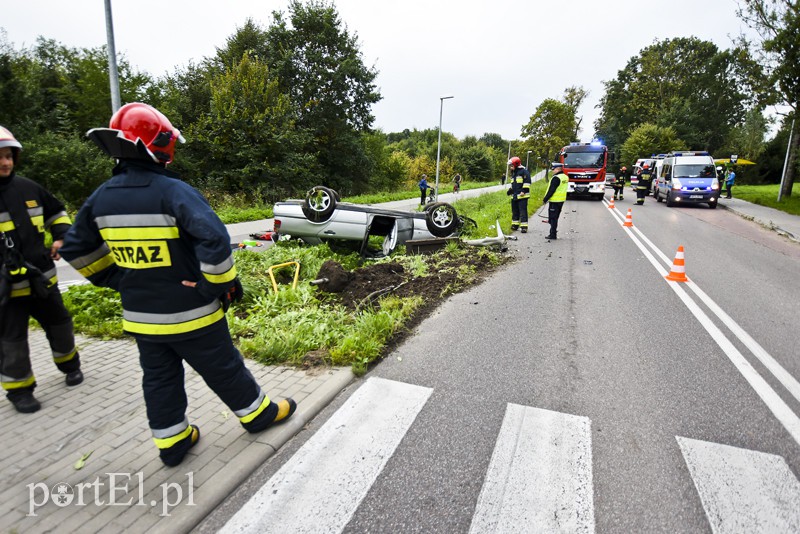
{"type": "Point", "coordinates": [774, 403]}
{"type": "Point", "coordinates": [540, 476]}
{"type": "Point", "coordinates": [743, 491]}
{"type": "Point", "coordinates": [777, 370]}
{"type": "Point", "coordinates": [320, 487]}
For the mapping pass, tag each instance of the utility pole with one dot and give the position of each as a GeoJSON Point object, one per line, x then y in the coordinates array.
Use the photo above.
{"type": "Point", "coordinates": [439, 146]}
{"type": "Point", "coordinates": [113, 75]}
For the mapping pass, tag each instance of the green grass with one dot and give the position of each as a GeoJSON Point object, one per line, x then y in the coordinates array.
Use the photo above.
{"type": "Point", "coordinates": [767, 195]}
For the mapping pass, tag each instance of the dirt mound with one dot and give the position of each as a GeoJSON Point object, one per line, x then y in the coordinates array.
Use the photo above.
{"type": "Point", "coordinates": [366, 285]}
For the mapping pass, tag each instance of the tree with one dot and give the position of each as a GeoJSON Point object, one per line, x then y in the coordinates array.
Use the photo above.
{"type": "Point", "coordinates": [778, 25]}
{"type": "Point", "coordinates": [248, 142]}
{"type": "Point", "coordinates": [684, 83]}
{"type": "Point", "coordinates": [649, 139]}
{"type": "Point", "coordinates": [574, 97]}
{"type": "Point", "coordinates": [550, 128]}
{"type": "Point", "coordinates": [317, 62]}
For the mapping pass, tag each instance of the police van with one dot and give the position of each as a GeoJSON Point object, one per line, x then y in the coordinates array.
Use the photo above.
{"type": "Point", "coordinates": [687, 178]}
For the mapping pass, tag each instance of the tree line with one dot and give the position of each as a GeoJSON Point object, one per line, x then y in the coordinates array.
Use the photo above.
{"type": "Point", "coordinates": [281, 108]}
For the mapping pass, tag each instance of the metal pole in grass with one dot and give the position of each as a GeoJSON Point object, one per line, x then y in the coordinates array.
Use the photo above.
{"type": "Point", "coordinates": [786, 162]}
{"type": "Point", "coordinates": [439, 146]}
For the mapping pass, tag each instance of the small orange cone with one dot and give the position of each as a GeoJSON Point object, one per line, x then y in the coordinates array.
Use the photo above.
{"type": "Point", "coordinates": [628, 219]}
{"type": "Point", "coordinates": [611, 204]}
{"type": "Point", "coordinates": [678, 272]}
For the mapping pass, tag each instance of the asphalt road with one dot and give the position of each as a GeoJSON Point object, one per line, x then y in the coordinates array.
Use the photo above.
{"type": "Point", "coordinates": [578, 380]}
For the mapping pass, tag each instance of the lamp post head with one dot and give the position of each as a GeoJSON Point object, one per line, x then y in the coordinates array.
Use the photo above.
{"type": "Point", "coordinates": [445, 97]}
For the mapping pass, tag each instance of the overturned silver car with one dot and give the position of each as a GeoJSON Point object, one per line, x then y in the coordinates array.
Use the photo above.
{"type": "Point", "coordinates": [321, 216]}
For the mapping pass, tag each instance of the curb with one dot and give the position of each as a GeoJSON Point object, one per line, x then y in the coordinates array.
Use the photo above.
{"type": "Point", "coordinates": [244, 468]}
{"type": "Point", "coordinates": [769, 225]}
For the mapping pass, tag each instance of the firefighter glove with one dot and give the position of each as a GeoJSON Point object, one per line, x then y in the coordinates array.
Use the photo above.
{"type": "Point", "coordinates": [232, 294]}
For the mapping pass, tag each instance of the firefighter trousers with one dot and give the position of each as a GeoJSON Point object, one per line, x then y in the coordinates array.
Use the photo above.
{"type": "Point", "coordinates": [16, 373]}
{"type": "Point", "coordinates": [215, 358]}
{"type": "Point", "coordinates": [519, 212]}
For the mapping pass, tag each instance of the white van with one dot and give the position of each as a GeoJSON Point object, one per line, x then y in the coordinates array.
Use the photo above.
{"type": "Point", "coordinates": [687, 177]}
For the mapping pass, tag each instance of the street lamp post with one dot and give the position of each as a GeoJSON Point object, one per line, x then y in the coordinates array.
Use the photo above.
{"type": "Point", "coordinates": [439, 146]}
{"type": "Point", "coordinates": [527, 160]}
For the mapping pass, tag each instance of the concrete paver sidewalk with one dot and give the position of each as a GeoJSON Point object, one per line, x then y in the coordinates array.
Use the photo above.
{"type": "Point", "coordinates": [123, 485]}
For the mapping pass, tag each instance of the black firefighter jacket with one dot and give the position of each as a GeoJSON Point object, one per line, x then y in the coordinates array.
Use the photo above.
{"type": "Point", "coordinates": [142, 233]}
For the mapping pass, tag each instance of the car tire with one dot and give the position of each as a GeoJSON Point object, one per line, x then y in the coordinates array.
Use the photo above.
{"type": "Point", "coordinates": [658, 197]}
{"type": "Point", "coordinates": [670, 203]}
{"type": "Point", "coordinates": [319, 203]}
{"type": "Point", "coordinates": [712, 205]}
{"type": "Point", "coordinates": [441, 219]}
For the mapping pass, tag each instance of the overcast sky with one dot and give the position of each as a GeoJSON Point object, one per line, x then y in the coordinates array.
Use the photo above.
{"type": "Point", "coordinates": [499, 59]}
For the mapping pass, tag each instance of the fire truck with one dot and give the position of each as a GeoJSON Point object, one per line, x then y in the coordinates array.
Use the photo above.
{"type": "Point", "coordinates": [585, 164]}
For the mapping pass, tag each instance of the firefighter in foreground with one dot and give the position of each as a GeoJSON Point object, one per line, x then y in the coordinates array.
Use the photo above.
{"type": "Point", "coordinates": [28, 284]}
{"type": "Point", "coordinates": [157, 241]}
{"type": "Point", "coordinates": [619, 184]}
{"type": "Point", "coordinates": [556, 195]}
{"type": "Point", "coordinates": [520, 191]}
{"type": "Point", "coordinates": [645, 182]}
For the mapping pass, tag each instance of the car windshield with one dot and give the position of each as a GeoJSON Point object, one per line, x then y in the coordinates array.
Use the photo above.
{"type": "Point", "coordinates": [695, 171]}
{"type": "Point", "coordinates": [584, 159]}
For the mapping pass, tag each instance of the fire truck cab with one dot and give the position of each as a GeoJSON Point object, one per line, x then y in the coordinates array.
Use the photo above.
{"type": "Point", "coordinates": [585, 164]}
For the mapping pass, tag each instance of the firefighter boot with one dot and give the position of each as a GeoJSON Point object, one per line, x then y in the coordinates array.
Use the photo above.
{"type": "Point", "coordinates": [74, 378]}
{"type": "Point", "coordinates": [24, 401]}
{"type": "Point", "coordinates": [174, 455]}
{"type": "Point", "coordinates": [274, 413]}
{"type": "Point", "coordinates": [514, 227]}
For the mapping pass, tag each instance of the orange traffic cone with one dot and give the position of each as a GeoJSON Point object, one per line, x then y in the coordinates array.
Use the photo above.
{"type": "Point", "coordinates": [678, 272]}
{"type": "Point", "coordinates": [628, 219]}
{"type": "Point", "coordinates": [611, 204]}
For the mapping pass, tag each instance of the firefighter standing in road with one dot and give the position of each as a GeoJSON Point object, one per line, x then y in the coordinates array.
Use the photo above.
{"type": "Point", "coordinates": [556, 195]}
{"type": "Point", "coordinates": [156, 240]}
{"type": "Point", "coordinates": [645, 182]}
{"type": "Point", "coordinates": [520, 191]}
{"type": "Point", "coordinates": [619, 184]}
{"type": "Point", "coordinates": [28, 284]}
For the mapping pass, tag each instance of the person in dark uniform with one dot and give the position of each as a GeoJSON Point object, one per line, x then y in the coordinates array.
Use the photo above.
{"type": "Point", "coordinates": [28, 283]}
{"type": "Point", "coordinates": [556, 195]}
{"type": "Point", "coordinates": [520, 192]}
{"type": "Point", "coordinates": [644, 184]}
{"type": "Point", "coordinates": [619, 183]}
{"type": "Point", "coordinates": [156, 240]}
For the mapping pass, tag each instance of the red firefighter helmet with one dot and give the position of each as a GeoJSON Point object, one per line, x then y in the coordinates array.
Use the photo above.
{"type": "Point", "coordinates": [515, 162]}
{"type": "Point", "coordinates": [143, 122]}
{"type": "Point", "coordinates": [7, 139]}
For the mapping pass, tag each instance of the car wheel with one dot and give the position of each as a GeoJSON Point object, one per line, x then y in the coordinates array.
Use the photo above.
{"type": "Point", "coordinates": [712, 205]}
{"type": "Point", "coordinates": [319, 203]}
{"type": "Point", "coordinates": [658, 196]}
{"type": "Point", "coordinates": [670, 203]}
{"type": "Point", "coordinates": [441, 219]}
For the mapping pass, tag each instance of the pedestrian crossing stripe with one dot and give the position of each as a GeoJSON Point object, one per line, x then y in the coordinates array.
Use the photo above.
{"type": "Point", "coordinates": [321, 486]}
{"type": "Point", "coordinates": [540, 475]}
{"type": "Point", "coordinates": [743, 490]}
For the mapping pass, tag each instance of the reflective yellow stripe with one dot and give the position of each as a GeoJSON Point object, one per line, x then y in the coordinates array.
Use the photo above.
{"type": "Point", "coordinates": [61, 220]}
{"type": "Point", "coordinates": [6, 226]}
{"type": "Point", "coordinates": [166, 443]}
{"type": "Point", "coordinates": [24, 292]}
{"type": "Point", "coordinates": [221, 278]}
{"type": "Point", "coordinates": [100, 265]}
{"type": "Point", "coordinates": [19, 384]}
{"type": "Point", "coordinates": [255, 413]}
{"type": "Point", "coordinates": [139, 232]}
{"type": "Point", "coordinates": [66, 357]}
{"type": "Point", "coordinates": [176, 328]}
